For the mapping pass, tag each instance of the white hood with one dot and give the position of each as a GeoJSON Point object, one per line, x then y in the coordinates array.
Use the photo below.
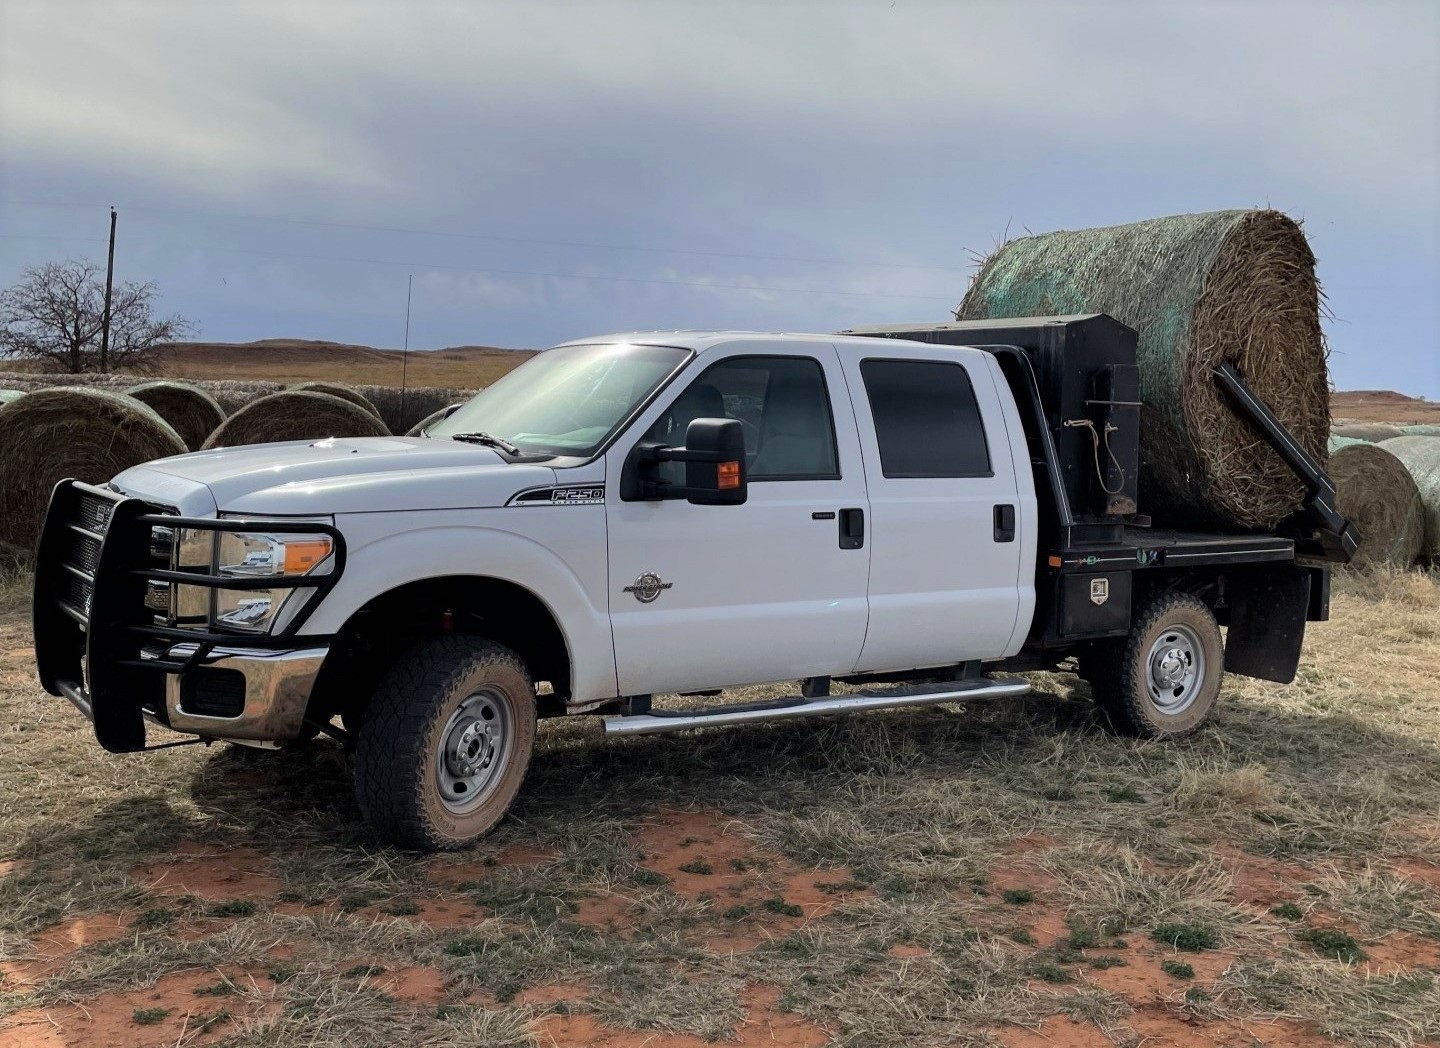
{"type": "Point", "coordinates": [340, 475]}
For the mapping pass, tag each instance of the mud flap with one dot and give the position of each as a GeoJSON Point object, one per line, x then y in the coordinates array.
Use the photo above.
{"type": "Point", "coordinates": [1268, 609]}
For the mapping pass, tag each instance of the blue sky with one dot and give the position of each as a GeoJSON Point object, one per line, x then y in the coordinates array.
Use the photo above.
{"type": "Point", "coordinates": [548, 171]}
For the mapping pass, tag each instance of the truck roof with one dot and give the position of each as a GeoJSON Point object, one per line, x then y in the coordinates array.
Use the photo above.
{"type": "Point", "coordinates": [699, 341]}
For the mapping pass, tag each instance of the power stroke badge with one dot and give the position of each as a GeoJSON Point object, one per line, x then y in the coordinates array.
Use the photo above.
{"type": "Point", "coordinates": [648, 587]}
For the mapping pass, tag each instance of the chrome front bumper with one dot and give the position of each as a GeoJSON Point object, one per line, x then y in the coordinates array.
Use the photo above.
{"type": "Point", "coordinates": [276, 690]}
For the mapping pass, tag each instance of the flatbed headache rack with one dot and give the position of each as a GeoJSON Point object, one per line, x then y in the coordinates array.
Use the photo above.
{"type": "Point", "coordinates": [1074, 378]}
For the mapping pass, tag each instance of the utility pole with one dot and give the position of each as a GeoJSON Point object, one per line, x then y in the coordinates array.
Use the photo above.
{"type": "Point", "coordinates": [405, 353]}
{"type": "Point", "coordinates": [109, 283]}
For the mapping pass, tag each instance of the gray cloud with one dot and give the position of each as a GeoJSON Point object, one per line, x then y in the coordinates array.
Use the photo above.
{"type": "Point", "coordinates": [854, 132]}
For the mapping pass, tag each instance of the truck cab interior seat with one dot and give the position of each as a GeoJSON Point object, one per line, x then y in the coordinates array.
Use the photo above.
{"type": "Point", "coordinates": [795, 435]}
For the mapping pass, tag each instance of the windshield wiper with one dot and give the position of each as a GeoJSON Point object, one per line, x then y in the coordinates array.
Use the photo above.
{"type": "Point", "coordinates": [489, 440]}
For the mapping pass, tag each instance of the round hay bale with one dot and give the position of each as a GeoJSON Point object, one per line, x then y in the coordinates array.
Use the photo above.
{"type": "Point", "coordinates": [1235, 286]}
{"type": "Point", "coordinates": [13, 559]}
{"type": "Point", "coordinates": [1372, 432]}
{"type": "Point", "coordinates": [1378, 495]}
{"type": "Point", "coordinates": [1421, 456]}
{"type": "Point", "coordinates": [295, 415]}
{"type": "Point", "coordinates": [192, 412]}
{"type": "Point", "coordinates": [87, 434]}
{"type": "Point", "coordinates": [1423, 430]}
{"type": "Point", "coordinates": [420, 428]}
{"type": "Point", "coordinates": [1336, 442]}
{"type": "Point", "coordinates": [335, 389]}
{"type": "Point", "coordinates": [7, 395]}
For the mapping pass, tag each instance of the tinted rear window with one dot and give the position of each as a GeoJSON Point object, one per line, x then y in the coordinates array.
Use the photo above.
{"type": "Point", "coordinates": [927, 422]}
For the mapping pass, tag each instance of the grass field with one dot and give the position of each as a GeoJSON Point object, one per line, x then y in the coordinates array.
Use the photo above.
{"type": "Point", "coordinates": [1002, 875]}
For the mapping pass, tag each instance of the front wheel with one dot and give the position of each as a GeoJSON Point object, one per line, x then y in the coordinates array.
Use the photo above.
{"type": "Point", "coordinates": [445, 743]}
{"type": "Point", "coordinates": [1163, 680]}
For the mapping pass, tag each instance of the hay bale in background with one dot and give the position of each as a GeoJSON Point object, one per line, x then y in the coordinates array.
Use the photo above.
{"type": "Point", "coordinates": [1376, 492]}
{"type": "Point", "coordinates": [399, 409]}
{"type": "Point", "coordinates": [7, 395]}
{"type": "Point", "coordinates": [403, 409]}
{"type": "Point", "coordinates": [12, 559]}
{"type": "Point", "coordinates": [420, 428]}
{"type": "Point", "coordinates": [1336, 442]}
{"type": "Point", "coordinates": [335, 389]}
{"type": "Point", "coordinates": [1200, 289]}
{"type": "Point", "coordinates": [1421, 431]}
{"type": "Point", "coordinates": [296, 415]}
{"type": "Point", "coordinates": [192, 412]}
{"type": "Point", "coordinates": [88, 434]}
{"type": "Point", "coordinates": [1421, 456]}
{"type": "Point", "coordinates": [1373, 432]}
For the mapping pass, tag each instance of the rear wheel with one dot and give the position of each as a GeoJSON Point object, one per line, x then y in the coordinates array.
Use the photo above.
{"type": "Point", "coordinates": [445, 743]}
{"type": "Point", "coordinates": [1163, 680]}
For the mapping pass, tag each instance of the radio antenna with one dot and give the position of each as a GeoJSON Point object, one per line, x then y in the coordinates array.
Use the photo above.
{"type": "Point", "coordinates": [405, 353]}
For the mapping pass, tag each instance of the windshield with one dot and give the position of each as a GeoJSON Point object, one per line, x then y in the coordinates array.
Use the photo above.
{"type": "Point", "coordinates": [566, 401]}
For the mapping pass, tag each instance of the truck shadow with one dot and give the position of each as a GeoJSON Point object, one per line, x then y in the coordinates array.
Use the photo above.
{"type": "Point", "coordinates": [1032, 754]}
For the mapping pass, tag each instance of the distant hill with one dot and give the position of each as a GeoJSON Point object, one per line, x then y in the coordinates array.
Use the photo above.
{"type": "Point", "coordinates": [306, 360]}
{"type": "Point", "coordinates": [1383, 405]}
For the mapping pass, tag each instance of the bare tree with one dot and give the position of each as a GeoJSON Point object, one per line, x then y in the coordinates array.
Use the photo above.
{"type": "Point", "coordinates": [56, 311]}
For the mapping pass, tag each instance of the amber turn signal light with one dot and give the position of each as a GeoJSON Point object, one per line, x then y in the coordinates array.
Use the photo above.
{"type": "Point", "coordinates": [303, 554]}
{"type": "Point", "coordinates": [727, 475]}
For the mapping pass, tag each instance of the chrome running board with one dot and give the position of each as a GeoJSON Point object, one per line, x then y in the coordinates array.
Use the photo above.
{"type": "Point", "coordinates": [657, 721]}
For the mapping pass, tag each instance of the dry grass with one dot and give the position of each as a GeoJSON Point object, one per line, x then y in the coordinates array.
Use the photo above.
{"type": "Point", "coordinates": [899, 837]}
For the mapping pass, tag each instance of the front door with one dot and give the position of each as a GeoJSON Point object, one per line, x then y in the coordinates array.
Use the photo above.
{"type": "Point", "coordinates": [709, 596]}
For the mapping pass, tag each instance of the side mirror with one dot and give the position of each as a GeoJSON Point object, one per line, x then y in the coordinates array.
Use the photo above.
{"type": "Point", "coordinates": [714, 457]}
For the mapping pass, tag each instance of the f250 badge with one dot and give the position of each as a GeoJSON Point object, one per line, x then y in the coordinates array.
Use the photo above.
{"type": "Point", "coordinates": [1099, 591]}
{"type": "Point", "coordinates": [648, 587]}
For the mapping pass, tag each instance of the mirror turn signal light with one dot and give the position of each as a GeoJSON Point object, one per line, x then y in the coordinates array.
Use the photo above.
{"type": "Point", "coordinates": [727, 475]}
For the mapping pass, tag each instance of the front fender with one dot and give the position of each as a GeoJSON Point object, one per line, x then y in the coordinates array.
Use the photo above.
{"type": "Point", "coordinates": [384, 554]}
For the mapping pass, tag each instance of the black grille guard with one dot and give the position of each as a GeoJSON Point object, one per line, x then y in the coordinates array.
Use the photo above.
{"type": "Point", "coordinates": [92, 655]}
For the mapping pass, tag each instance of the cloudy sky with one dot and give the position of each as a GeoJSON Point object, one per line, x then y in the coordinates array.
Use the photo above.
{"type": "Point", "coordinates": [547, 171]}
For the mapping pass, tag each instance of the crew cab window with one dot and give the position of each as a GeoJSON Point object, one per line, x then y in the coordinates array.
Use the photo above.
{"type": "Point", "coordinates": [927, 422]}
{"type": "Point", "coordinates": [782, 404]}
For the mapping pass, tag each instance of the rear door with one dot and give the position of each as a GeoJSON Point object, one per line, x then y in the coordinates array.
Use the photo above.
{"type": "Point", "coordinates": [945, 534]}
{"type": "Point", "coordinates": [772, 590]}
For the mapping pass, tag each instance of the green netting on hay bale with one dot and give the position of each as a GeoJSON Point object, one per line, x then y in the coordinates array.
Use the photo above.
{"type": "Point", "coordinates": [1376, 493]}
{"type": "Point", "coordinates": [192, 412]}
{"type": "Point", "coordinates": [1370, 432]}
{"type": "Point", "coordinates": [7, 395]}
{"type": "Point", "coordinates": [87, 434]}
{"type": "Point", "coordinates": [1421, 456]}
{"type": "Point", "coordinates": [295, 415]}
{"type": "Point", "coordinates": [1336, 442]}
{"type": "Point", "coordinates": [1200, 289]}
{"type": "Point", "coordinates": [335, 389]}
{"type": "Point", "coordinates": [1425, 430]}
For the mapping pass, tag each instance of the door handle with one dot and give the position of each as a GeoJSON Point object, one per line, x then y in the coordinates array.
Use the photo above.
{"type": "Point", "coordinates": [1005, 523]}
{"type": "Point", "coordinates": [852, 528]}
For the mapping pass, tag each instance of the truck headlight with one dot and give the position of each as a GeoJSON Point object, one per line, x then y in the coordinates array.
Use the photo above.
{"type": "Point", "coordinates": [258, 555]}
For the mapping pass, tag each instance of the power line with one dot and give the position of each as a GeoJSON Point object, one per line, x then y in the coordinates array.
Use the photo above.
{"type": "Point", "coordinates": [582, 276]}
{"type": "Point", "coordinates": [499, 238]}
{"type": "Point", "coordinates": [42, 236]}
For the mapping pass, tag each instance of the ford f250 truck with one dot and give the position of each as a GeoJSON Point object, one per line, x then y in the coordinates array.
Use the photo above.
{"type": "Point", "coordinates": [662, 513]}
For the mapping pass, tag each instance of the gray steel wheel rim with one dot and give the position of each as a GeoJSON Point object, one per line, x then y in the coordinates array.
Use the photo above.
{"type": "Point", "coordinates": [1175, 670]}
{"type": "Point", "coordinates": [474, 750]}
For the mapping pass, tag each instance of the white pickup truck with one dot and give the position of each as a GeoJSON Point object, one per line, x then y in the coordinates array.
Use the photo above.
{"type": "Point", "coordinates": [651, 514]}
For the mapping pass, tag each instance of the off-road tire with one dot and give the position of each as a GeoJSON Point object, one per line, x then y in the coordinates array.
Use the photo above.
{"type": "Point", "coordinates": [397, 750]}
{"type": "Point", "coordinates": [1117, 670]}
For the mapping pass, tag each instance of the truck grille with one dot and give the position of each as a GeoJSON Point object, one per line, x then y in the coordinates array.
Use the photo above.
{"type": "Point", "coordinates": [81, 556]}
{"type": "Point", "coordinates": [82, 552]}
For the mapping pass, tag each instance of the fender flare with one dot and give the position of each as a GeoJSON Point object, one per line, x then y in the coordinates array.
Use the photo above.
{"type": "Point", "coordinates": [375, 568]}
